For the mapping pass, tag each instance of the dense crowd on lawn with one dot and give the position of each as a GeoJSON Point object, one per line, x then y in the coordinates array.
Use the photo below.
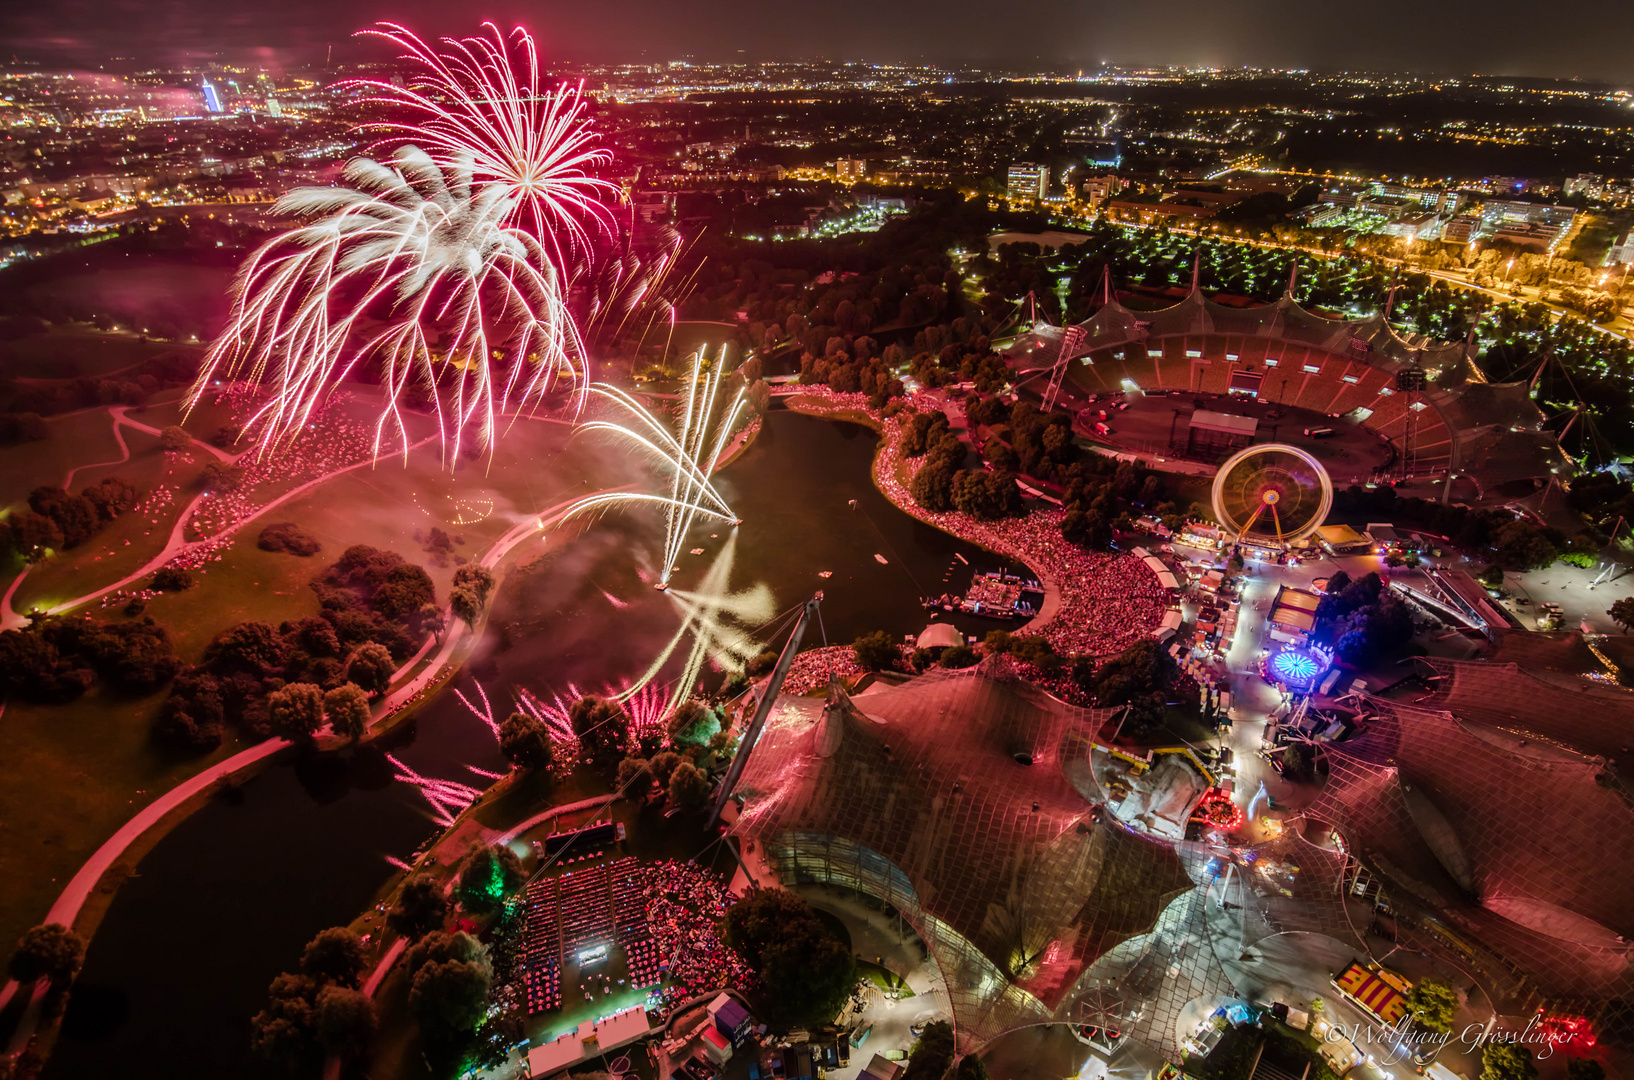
{"type": "Point", "coordinates": [685, 903]}
{"type": "Point", "coordinates": [239, 490]}
{"type": "Point", "coordinates": [812, 669]}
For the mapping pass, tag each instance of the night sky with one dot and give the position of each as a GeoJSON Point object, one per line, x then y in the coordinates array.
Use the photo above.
{"type": "Point", "coordinates": [1458, 36]}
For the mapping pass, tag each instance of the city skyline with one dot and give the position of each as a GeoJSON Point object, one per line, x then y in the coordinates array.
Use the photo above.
{"type": "Point", "coordinates": [1455, 38]}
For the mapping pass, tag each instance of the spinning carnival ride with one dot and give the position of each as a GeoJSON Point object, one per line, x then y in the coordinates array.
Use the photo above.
{"type": "Point", "coordinates": [1271, 495]}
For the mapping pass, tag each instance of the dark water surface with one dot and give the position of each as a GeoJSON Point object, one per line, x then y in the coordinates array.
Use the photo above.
{"type": "Point", "coordinates": [226, 900]}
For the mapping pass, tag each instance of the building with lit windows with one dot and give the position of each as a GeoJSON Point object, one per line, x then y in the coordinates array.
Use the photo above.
{"type": "Point", "coordinates": [212, 97]}
{"type": "Point", "coordinates": [1028, 181]}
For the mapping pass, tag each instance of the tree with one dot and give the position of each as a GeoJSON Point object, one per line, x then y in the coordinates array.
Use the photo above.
{"type": "Point", "coordinates": [1521, 545]}
{"type": "Point", "coordinates": [334, 956]}
{"type": "Point", "coordinates": [449, 991]}
{"type": "Point", "coordinates": [285, 1032]}
{"type": "Point", "coordinates": [345, 1021]}
{"type": "Point", "coordinates": [420, 908]}
{"type": "Point", "coordinates": [631, 772]}
{"type": "Point", "coordinates": [466, 605]}
{"type": "Point", "coordinates": [876, 651]}
{"type": "Point", "coordinates": [932, 1054]}
{"type": "Point", "coordinates": [254, 647]}
{"type": "Point", "coordinates": [476, 577]}
{"type": "Point", "coordinates": [346, 707]}
{"type": "Point", "coordinates": [808, 973]}
{"type": "Point", "coordinates": [172, 578]}
{"type": "Point", "coordinates": [295, 711]}
{"type": "Point", "coordinates": [286, 536]}
{"type": "Point", "coordinates": [1507, 1061]}
{"type": "Point", "coordinates": [525, 742]}
{"type": "Point", "coordinates": [51, 951]}
{"type": "Point", "coordinates": [1585, 1069]}
{"type": "Point", "coordinates": [175, 439]}
{"type": "Point", "coordinates": [603, 729]}
{"type": "Point", "coordinates": [688, 786]}
{"type": "Point", "coordinates": [663, 767]}
{"type": "Point", "coordinates": [693, 724]}
{"type": "Point", "coordinates": [221, 478]}
{"type": "Point", "coordinates": [489, 876]}
{"type": "Point", "coordinates": [370, 667]}
{"type": "Point", "coordinates": [1433, 1005]}
{"type": "Point", "coordinates": [1622, 612]}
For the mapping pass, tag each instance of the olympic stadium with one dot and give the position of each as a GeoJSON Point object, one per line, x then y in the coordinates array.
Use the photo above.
{"type": "Point", "coordinates": [1201, 379]}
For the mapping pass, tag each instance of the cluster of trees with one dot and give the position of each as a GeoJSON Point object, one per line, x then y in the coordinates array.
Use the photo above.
{"type": "Point", "coordinates": [292, 678]}
{"type": "Point", "coordinates": [1511, 543]}
{"type": "Point", "coordinates": [58, 520]}
{"type": "Point", "coordinates": [1361, 619]}
{"type": "Point", "coordinates": [50, 951]}
{"type": "Point", "coordinates": [287, 537]}
{"type": "Point", "coordinates": [807, 972]}
{"type": "Point", "coordinates": [1138, 677]}
{"type": "Point", "coordinates": [318, 1009]}
{"type": "Point", "coordinates": [56, 659]}
{"type": "Point", "coordinates": [1023, 439]}
{"type": "Point", "coordinates": [852, 366]}
{"type": "Point", "coordinates": [943, 483]}
{"type": "Point", "coordinates": [677, 774]}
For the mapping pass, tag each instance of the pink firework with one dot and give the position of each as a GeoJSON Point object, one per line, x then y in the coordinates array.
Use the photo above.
{"type": "Point", "coordinates": [481, 99]}
{"type": "Point", "coordinates": [415, 271]}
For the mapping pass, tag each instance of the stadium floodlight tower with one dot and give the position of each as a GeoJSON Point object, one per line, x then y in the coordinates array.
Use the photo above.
{"type": "Point", "coordinates": [1272, 495]}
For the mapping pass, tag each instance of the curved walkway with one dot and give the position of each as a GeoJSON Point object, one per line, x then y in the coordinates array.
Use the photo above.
{"type": "Point", "coordinates": [177, 543]}
{"type": "Point", "coordinates": [73, 897]}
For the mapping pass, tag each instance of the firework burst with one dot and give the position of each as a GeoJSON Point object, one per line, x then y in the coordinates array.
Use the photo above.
{"type": "Point", "coordinates": [689, 455]}
{"type": "Point", "coordinates": [482, 100]}
{"type": "Point", "coordinates": [415, 268]}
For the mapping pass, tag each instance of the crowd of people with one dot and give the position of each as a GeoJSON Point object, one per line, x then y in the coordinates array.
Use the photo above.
{"type": "Point", "coordinates": [1107, 601]}
{"type": "Point", "coordinates": [812, 669]}
{"type": "Point", "coordinates": [685, 904]}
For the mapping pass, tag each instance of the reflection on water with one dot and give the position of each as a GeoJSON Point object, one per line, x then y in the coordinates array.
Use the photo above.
{"type": "Point", "coordinates": [228, 899]}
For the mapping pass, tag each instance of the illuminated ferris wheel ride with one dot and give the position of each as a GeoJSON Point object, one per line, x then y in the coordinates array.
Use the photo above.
{"type": "Point", "coordinates": [1272, 495]}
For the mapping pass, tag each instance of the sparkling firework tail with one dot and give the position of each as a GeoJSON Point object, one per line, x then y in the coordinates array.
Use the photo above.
{"type": "Point", "coordinates": [477, 312]}
{"type": "Point", "coordinates": [481, 99]}
{"type": "Point", "coordinates": [691, 455]}
{"type": "Point", "coordinates": [715, 619]}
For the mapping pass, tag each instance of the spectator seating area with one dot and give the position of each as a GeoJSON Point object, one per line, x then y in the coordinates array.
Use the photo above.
{"type": "Point", "coordinates": [1297, 375]}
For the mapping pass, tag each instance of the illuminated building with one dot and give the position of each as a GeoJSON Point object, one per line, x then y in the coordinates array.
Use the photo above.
{"type": "Point", "coordinates": [212, 97]}
{"type": "Point", "coordinates": [1028, 181]}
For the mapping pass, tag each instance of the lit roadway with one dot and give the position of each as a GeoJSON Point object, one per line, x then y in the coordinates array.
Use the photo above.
{"type": "Point", "coordinates": [1620, 327]}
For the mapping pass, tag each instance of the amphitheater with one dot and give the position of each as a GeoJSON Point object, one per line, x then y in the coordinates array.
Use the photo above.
{"type": "Point", "coordinates": [1324, 369]}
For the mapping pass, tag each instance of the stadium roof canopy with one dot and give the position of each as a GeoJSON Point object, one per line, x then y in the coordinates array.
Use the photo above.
{"type": "Point", "coordinates": [1479, 810]}
{"type": "Point", "coordinates": [967, 801]}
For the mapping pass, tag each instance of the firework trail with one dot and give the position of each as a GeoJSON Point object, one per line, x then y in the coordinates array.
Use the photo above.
{"type": "Point", "coordinates": [446, 797]}
{"type": "Point", "coordinates": [481, 100]}
{"type": "Point", "coordinates": [718, 621]}
{"type": "Point", "coordinates": [414, 267]}
{"type": "Point", "coordinates": [690, 455]}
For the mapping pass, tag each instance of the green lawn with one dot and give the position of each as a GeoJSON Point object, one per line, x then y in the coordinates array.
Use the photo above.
{"type": "Point", "coordinates": [76, 772]}
{"type": "Point", "coordinates": [75, 439]}
{"type": "Point", "coordinates": [72, 352]}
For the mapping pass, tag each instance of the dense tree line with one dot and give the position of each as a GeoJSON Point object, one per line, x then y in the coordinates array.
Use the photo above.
{"type": "Point", "coordinates": [57, 659]}
{"type": "Point", "coordinates": [288, 680]}
{"type": "Point", "coordinates": [59, 520]}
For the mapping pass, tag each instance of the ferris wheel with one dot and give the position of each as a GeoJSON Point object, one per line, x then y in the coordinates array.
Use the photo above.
{"type": "Point", "coordinates": [1272, 495]}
